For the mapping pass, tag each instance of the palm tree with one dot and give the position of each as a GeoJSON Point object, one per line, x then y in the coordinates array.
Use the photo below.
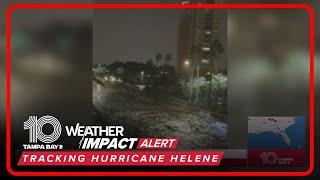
{"type": "Point", "coordinates": [167, 58]}
{"type": "Point", "coordinates": [215, 48]}
{"type": "Point", "coordinates": [158, 59]}
{"type": "Point", "coordinates": [149, 67]}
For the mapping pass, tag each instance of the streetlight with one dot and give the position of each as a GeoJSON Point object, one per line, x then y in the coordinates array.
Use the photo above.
{"type": "Point", "coordinates": [196, 64]}
{"type": "Point", "coordinates": [187, 63]}
{"type": "Point", "coordinates": [204, 61]}
{"type": "Point", "coordinates": [205, 48]}
{"type": "Point", "coordinates": [142, 75]}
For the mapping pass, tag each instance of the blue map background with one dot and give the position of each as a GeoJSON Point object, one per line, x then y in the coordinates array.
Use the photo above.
{"type": "Point", "coordinates": [296, 132]}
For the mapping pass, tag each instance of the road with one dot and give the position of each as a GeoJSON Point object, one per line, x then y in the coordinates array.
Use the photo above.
{"type": "Point", "coordinates": [142, 116]}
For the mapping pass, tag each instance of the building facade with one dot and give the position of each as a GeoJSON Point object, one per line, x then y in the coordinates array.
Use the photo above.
{"type": "Point", "coordinates": [202, 40]}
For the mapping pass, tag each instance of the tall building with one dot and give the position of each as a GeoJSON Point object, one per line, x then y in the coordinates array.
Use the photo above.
{"type": "Point", "coordinates": [198, 30]}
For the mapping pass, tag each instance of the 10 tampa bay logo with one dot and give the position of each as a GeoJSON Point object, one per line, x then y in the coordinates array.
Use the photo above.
{"type": "Point", "coordinates": [37, 138]}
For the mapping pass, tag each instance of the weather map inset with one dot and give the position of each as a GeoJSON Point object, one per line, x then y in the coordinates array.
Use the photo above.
{"type": "Point", "coordinates": [276, 132]}
{"type": "Point", "coordinates": [276, 141]}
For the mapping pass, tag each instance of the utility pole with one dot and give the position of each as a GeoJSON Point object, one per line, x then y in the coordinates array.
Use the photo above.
{"type": "Point", "coordinates": [197, 88]}
{"type": "Point", "coordinates": [191, 86]}
{"type": "Point", "coordinates": [210, 81]}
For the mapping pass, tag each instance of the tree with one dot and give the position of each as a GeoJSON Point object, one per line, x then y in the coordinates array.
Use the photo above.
{"type": "Point", "coordinates": [158, 59]}
{"type": "Point", "coordinates": [149, 62]}
{"type": "Point", "coordinates": [215, 48]}
{"type": "Point", "coordinates": [149, 67]}
{"type": "Point", "coordinates": [167, 58]}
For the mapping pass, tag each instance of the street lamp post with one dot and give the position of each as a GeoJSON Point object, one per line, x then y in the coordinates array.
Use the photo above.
{"type": "Point", "coordinates": [142, 76]}
{"type": "Point", "coordinates": [187, 63]}
{"type": "Point", "coordinates": [197, 87]}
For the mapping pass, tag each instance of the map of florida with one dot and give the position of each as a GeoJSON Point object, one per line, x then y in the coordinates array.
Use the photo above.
{"type": "Point", "coordinates": [277, 125]}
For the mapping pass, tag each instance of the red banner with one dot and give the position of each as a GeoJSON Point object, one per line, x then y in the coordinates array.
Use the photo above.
{"type": "Point", "coordinates": [120, 158]}
{"type": "Point", "coordinates": [157, 143]}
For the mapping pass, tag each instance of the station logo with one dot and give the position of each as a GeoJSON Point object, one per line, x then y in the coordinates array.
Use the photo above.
{"type": "Point", "coordinates": [37, 138]}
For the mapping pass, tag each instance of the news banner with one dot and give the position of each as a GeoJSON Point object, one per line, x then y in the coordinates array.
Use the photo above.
{"type": "Point", "coordinates": [102, 138]}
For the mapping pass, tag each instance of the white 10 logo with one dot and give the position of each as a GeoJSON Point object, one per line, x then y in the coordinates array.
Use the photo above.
{"type": "Point", "coordinates": [269, 157]}
{"type": "Point", "coordinates": [35, 129]}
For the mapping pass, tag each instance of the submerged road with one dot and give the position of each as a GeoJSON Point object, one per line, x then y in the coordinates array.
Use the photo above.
{"type": "Point", "coordinates": [142, 116]}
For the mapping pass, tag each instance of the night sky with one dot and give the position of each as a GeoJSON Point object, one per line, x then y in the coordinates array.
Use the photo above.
{"type": "Point", "coordinates": [126, 35]}
{"type": "Point", "coordinates": [134, 35]}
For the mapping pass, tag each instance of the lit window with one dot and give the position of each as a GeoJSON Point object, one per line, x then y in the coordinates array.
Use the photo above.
{"type": "Point", "coordinates": [206, 48]}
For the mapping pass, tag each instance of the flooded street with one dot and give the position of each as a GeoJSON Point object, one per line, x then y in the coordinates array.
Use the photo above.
{"type": "Point", "coordinates": [142, 116]}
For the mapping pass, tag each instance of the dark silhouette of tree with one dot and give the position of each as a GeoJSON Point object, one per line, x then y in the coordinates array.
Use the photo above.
{"type": "Point", "coordinates": [168, 58]}
{"type": "Point", "coordinates": [149, 62]}
{"type": "Point", "coordinates": [158, 59]}
{"type": "Point", "coordinates": [150, 68]}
